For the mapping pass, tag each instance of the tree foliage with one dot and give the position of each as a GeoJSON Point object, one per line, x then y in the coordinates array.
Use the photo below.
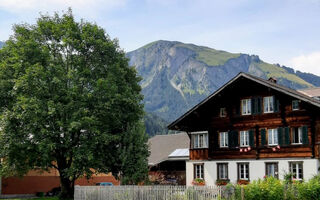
{"type": "Point", "coordinates": [68, 100]}
{"type": "Point", "coordinates": [155, 125]}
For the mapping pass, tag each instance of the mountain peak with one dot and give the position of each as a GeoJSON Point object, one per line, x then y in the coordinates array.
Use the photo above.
{"type": "Point", "coordinates": [178, 75]}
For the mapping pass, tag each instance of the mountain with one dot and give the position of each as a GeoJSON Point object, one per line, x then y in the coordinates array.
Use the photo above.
{"type": "Point", "coordinates": [155, 125]}
{"type": "Point", "coordinates": [177, 76]}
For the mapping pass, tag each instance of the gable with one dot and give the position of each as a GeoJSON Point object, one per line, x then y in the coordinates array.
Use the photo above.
{"type": "Point", "coordinates": [241, 86]}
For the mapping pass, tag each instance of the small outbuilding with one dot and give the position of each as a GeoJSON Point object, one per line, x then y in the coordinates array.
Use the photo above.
{"type": "Point", "coordinates": [167, 160]}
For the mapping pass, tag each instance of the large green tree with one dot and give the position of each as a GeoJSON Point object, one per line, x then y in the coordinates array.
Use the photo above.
{"type": "Point", "coordinates": [69, 101]}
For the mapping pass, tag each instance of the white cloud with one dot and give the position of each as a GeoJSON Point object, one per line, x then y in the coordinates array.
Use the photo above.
{"type": "Point", "coordinates": [18, 6]}
{"type": "Point", "coordinates": [307, 63]}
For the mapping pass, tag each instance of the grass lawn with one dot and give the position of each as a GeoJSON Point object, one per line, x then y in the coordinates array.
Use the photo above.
{"type": "Point", "coordinates": [40, 198]}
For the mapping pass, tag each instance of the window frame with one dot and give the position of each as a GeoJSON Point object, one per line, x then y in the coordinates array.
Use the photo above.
{"type": "Point", "coordinates": [276, 171]}
{"type": "Point", "coordinates": [274, 133]}
{"type": "Point", "coordinates": [247, 168]}
{"type": "Point", "coordinates": [245, 138]}
{"type": "Point", "coordinates": [248, 103]}
{"type": "Point", "coordinates": [225, 141]}
{"type": "Point", "coordinates": [226, 171]}
{"type": "Point", "coordinates": [201, 144]}
{"type": "Point", "coordinates": [223, 112]}
{"type": "Point", "coordinates": [269, 105]}
{"type": "Point", "coordinates": [300, 133]}
{"type": "Point", "coordinates": [201, 171]}
{"type": "Point", "coordinates": [298, 105]}
{"type": "Point", "coordinates": [297, 163]}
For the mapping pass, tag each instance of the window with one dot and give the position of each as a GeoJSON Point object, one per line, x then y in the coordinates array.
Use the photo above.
{"type": "Point", "coordinates": [296, 170]}
{"type": "Point", "coordinates": [198, 171]}
{"type": "Point", "coordinates": [244, 138]}
{"type": "Point", "coordinates": [272, 169]}
{"type": "Point", "coordinates": [297, 135]}
{"type": "Point", "coordinates": [246, 106]}
{"type": "Point", "coordinates": [268, 104]}
{"type": "Point", "coordinates": [243, 171]}
{"type": "Point", "coordinates": [199, 139]}
{"type": "Point", "coordinates": [295, 105]}
{"type": "Point", "coordinates": [223, 139]}
{"type": "Point", "coordinates": [272, 136]}
{"type": "Point", "coordinates": [223, 112]}
{"type": "Point", "coordinates": [222, 171]}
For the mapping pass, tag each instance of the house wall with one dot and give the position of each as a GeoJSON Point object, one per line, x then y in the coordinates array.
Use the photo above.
{"type": "Point", "coordinates": [207, 118]}
{"type": "Point", "coordinates": [39, 183]}
{"type": "Point", "coordinates": [256, 169]}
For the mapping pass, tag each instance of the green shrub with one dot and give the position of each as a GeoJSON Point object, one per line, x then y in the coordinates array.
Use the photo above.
{"type": "Point", "coordinates": [309, 190]}
{"type": "Point", "coordinates": [40, 194]}
{"type": "Point", "coordinates": [269, 188]}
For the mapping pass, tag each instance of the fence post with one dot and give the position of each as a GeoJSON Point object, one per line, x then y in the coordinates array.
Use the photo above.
{"type": "Point", "coordinates": [242, 193]}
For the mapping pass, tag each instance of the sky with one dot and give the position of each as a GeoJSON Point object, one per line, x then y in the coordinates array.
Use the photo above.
{"type": "Point", "coordinates": [279, 31]}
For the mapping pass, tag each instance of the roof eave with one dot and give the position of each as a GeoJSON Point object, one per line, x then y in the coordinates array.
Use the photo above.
{"type": "Point", "coordinates": [174, 123]}
{"type": "Point", "coordinates": [241, 74]}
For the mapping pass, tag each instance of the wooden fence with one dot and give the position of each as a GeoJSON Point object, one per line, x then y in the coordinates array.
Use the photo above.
{"type": "Point", "coordinates": [146, 193]}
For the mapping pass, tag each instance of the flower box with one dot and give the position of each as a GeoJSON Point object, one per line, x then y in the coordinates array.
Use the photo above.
{"type": "Point", "coordinates": [222, 182]}
{"type": "Point", "coordinates": [198, 182]}
{"type": "Point", "coordinates": [243, 182]}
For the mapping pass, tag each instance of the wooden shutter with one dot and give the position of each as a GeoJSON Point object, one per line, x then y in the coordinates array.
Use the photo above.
{"type": "Point", "coordinates": [215, 138]}
{"type": "Point", "coordinates": [276, 104]}
{"type": "Point", "coordinates": [253, 106]}
{"type": "Point", "coordinates": [280, 136]}
{"type": "Point", "coordinates": [259, 105]}
{"type": "Point", "coordinates": [230, 139]}
{"type": "Point", "coordinates": [256, 105]}
{"type": "Point", "coordinates": [236, 138]}
{"type": "Point", "coordinates": [233, 139]}
{"type": "Point", "coordinates": [305, 139]}
{"type": "Point", "coordinates": [286, 136]}
{"type": "Point", "coordinates": [251, 138]}
{"type": "Point", "coordinates": [263, 137]}
{"type": "Point", "coordinates": [211, 133]}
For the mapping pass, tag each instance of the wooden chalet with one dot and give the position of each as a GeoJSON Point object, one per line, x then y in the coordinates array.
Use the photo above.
{"type": "Point", "coordinates": [251, 128]}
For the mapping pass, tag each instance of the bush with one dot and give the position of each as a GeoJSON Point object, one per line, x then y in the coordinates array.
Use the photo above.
{"type": "Point", "coordinates": [268, 189]}
{"type": "Point", "coordinates": [309, 190]}
{"type": "Point", "coordinates": [40, 194]}
{"type": "Point", "coordinates": [271, 188]}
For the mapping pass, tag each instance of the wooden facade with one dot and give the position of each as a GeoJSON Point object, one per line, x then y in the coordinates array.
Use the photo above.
{"type": "Point", "coordinates": [206, 116]}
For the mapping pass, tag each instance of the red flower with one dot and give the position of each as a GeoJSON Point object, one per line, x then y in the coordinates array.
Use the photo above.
{"type": "Point", "coordinates": [243, 182]}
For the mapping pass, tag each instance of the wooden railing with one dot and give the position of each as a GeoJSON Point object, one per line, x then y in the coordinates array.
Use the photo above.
{"type": "Point", "coordinates": [157, 192]}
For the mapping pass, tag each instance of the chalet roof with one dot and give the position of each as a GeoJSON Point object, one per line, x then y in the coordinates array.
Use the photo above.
{"type": "Point", "coordinates": [179, 154]}
{"type": "Point", "coordinates": [161, 146]}
{"type": "Point", "coordinates": [311, 92]}
{"type": "Point", "coordinates": [291, 92]}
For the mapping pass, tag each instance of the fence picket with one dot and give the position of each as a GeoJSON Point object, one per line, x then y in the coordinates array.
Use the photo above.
{"type": "Point", "coordinates": [157, 192]}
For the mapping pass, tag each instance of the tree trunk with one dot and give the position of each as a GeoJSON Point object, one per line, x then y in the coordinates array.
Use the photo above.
{"type": "Point", "coordinates": [67, 188]}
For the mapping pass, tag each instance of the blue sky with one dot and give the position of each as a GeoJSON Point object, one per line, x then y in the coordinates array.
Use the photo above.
{"type": "Point", "coordinates": [279, 31]}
